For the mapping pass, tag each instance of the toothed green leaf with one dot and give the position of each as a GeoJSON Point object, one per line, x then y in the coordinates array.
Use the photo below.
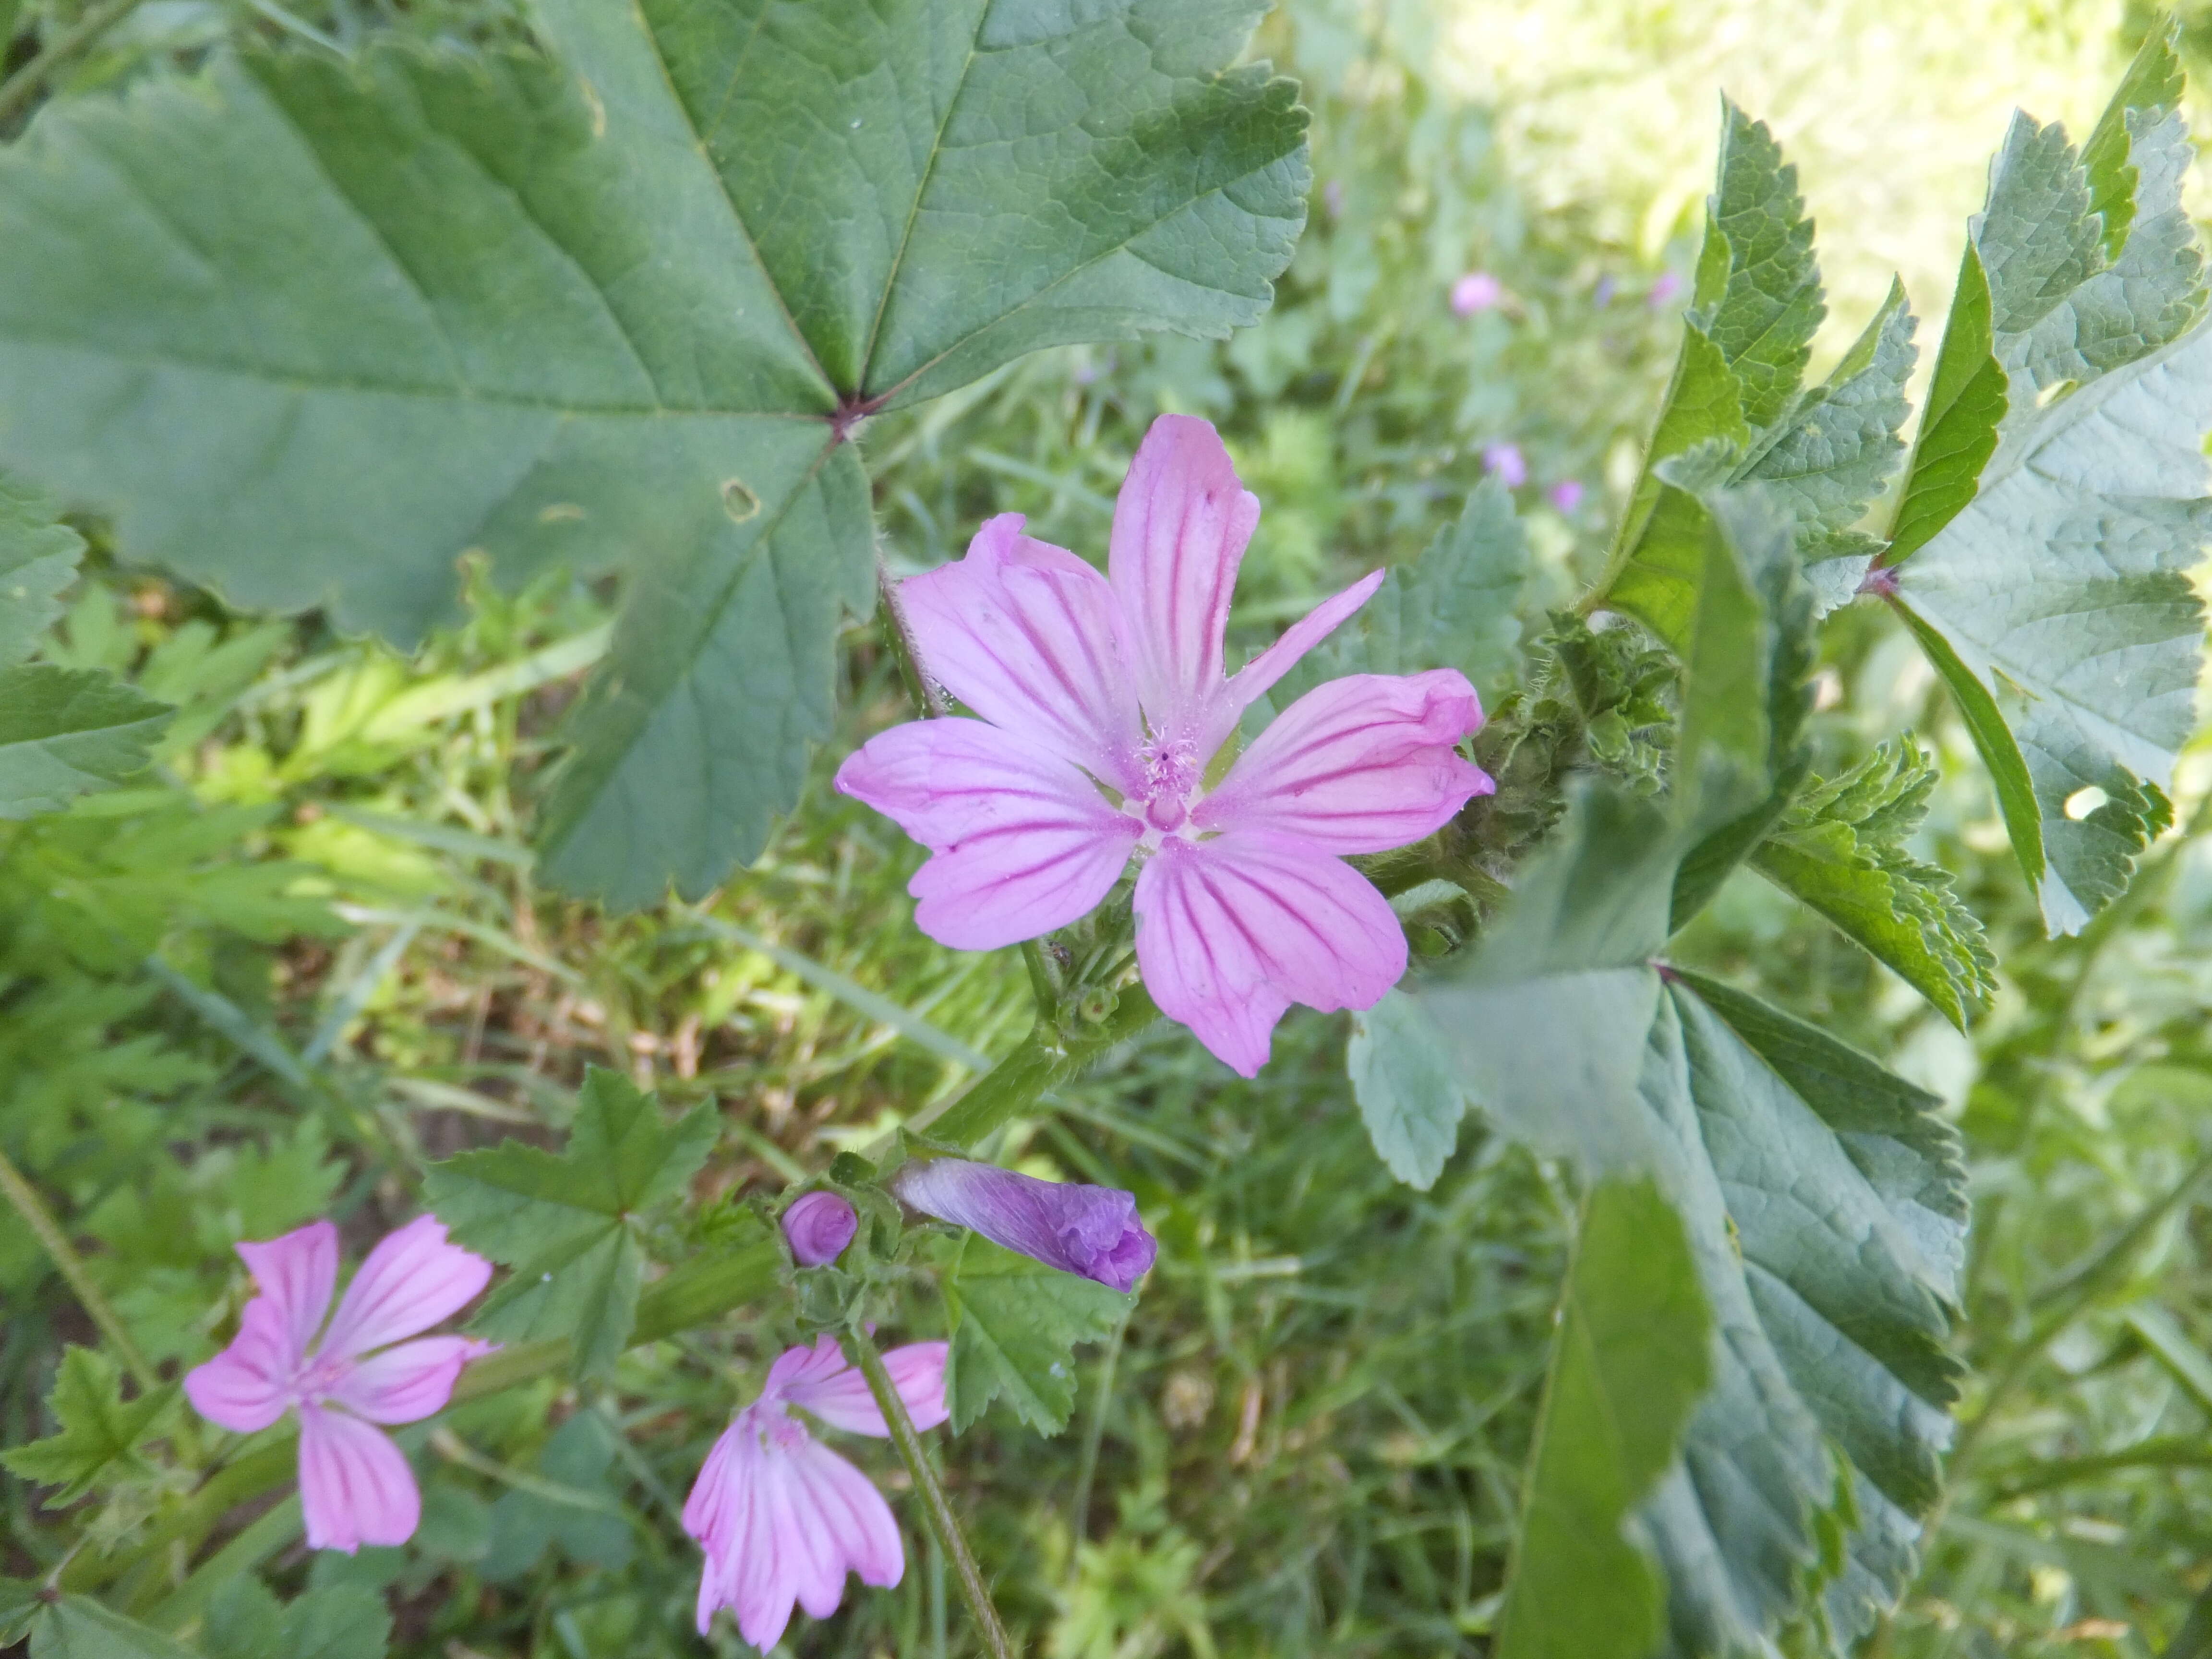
{"type": "Point", "coordinates": [1016, 1325]}
{"type": "Point", "coordinates": [66, 732]}
{"type": "Point", "coordinates": [100, 1432]}
{"type": "Point", "coordinates": [1840, 847]}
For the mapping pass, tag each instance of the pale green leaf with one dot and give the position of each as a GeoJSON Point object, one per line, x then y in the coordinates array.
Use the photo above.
{"type": "Point", "coordinates": [569, 1501]}
{"type": "Point", "coordinates": [66, 732]}
{"type": "Point", "coordinates": [2060, 592]}
{"type": "Point", "coordinates": [572, 1225]}
{"type": "Point", "coordinates": [100, 1432]}
{"type": "Point", "coordinates": [339, 1622]}
{"type": "Point", "coordinates": [1759, 287]}
{"type": "Point", "coordinates": [311, 330]}
{"type": "Point", "coordinates": [1409, 1093]}
{"type": "Point", "coordinates": [78, 1627]}
{"type": "Point", "coordinates": [1840, 847]}
{"type": "Point", "coordinates": [1016, 1323]}
{"type": "Point", "coordinates": [38, 559]}
{"type": "Point", "coordinates": [1628, 1363]}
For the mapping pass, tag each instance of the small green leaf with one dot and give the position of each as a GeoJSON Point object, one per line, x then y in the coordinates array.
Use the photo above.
{"type": "Point", "coordinates": [1408, 1091]}
{"type": "Point", "coordinates": [572, 1227]}
{"type": "Point", "coordinates": [38, 559]}
{"type": "Point", "coordinates": [78, 1627]}
{"type": "Point", "coordinates": [2154, 83]}
{"type": "Point", "coordinates": [66, 732]}
{"type": "Point", "coordinates": [100, 1432]}
{"type": "Point", "coordinates": [569, 1501]}
{"type": "Point", "coordinates": [1967, 403]}
{"type": "Point", "coordinates": [1840, 847]}
{"type": "Point", "coordinates": [1759, 286]}
{"type": "Point", "coordinates": [1454, 607]}
{"type": "Point", "coordinates": [339, 1622]}
{"type": "Point", "coordinates": [19, 1607]}
{"type": "Point", "coordinates": [1628, 1365]}
{"type": "Point", "coordinates": [1015, 1325]}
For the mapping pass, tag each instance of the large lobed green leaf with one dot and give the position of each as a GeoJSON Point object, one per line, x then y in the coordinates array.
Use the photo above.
{"type": "Point", "coordinates": [99, 1432]}
{"type": "Point", "coordinates": [1822, 1201]}
{"type": "Point", "coordinates": [573, 1226]}
{"type": "Point", "coordinates": [313, 329]}
{"type": "Point", "coordinates": [1015, 1325]}
{"type": "Point", "coordinates": [2060, 491]}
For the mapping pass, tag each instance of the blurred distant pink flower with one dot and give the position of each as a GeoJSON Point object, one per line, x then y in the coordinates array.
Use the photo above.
{"type": "Point", "coordinates": [355, 1485]}
{"type": "Point", "coordinates": [1664, 288]}
{"type": "Point", "coordinates": [1476, 291]}
{"type": "Point", "coordinates": [1104, 705]}
{"type": "Point", "coordinates": [1507, 463]}
{"type": "Point", "coordinates": [1332, 195]}
{"type": "Point", "coordinates": [1567, 495]}
{"type": "Point", "coordinates": [781, 1517]}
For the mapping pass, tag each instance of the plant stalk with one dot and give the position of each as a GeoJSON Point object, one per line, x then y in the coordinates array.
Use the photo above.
{"type": "Point", "coordinates": [943, 1526]}
{"type": "Point", "coordinates": [27, 1203]}
{"type": "Point", "coordinates": [1046, 1059]}
{"type": "Point", "coordinates": [19, 88]}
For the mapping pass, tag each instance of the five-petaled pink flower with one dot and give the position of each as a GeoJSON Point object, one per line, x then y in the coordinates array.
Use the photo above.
{"type": "Point", "coordinates": [783, 1518]}
{"type": "Point", "coordinates": [1103, 706]}
{"type": "Point", "coordinates": [355, 1485]}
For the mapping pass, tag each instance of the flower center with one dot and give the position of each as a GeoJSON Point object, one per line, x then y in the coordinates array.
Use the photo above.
{"type": "Point", "coordinates": [316, 1376]}
{"type": "Point", "coordinates": [1173, 775]}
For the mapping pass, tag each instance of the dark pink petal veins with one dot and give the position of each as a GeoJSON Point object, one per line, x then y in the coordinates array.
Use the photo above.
{"type": "Point", "coordinates": [1231, 931]}
{"type": "Point", "coordinates": [355, 1485]}
{"type": "Point", "coordinates": [1362, 764]}
{"type": "Point", "coordinates": [1023, 633]}
{"type": "Point", "coordinates": [1181, 524]}
{"type": "Point", "coordinates": [407, 1384]}
{"type": "Point", "coordinates": [1025, 842]}
{"type": "Point", "coordinates": [247, 1387]}
{"type": "Point", "coordinates": [296, 1273]}
{"type": "Point", "coordinates": [412, 1279]}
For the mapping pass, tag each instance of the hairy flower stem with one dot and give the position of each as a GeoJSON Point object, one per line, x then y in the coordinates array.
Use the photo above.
{"type": "Point", "coordinates": [1046, 1059]}
{"type": "Point", "coordinates": [27, 1203]}
{"type": "Point", "coordinates": [944, 1525]}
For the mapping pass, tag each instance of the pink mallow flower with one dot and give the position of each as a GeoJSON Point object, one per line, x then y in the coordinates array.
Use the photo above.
{"type": "Point", "coordinates": [818, 1226]}
{"type": "Point", "coordinates": [356, 1488]}
{"type": "Point", "coordinates": [1476, 291]}
{"type": "Point", "coordinates": [1090, 1231]}
{"type": "Point", "coordinates": [1105, 707]}
{"type": "Point", "coordinates": [783, 1518]}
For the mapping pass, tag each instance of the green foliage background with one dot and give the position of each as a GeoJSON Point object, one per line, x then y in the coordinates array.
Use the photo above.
{"type": "Point", "coordinates": [305, 954]}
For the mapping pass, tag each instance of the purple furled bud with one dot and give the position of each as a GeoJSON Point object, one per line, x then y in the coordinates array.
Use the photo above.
{"type": "Point", "coordinates": [1090, 1231]}
{"type": "Point", "coordinates": [819, 1226]}
{"type": "Point", "coordinates": [1476, 291]}
{"type": "Point", "coordinates": [1506, 460]}
{"type": "Point", "coordinates": [1567, 495]}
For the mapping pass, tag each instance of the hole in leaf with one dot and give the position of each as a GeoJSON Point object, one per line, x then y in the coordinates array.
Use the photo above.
{"type": "Point", "coordinates": [2084, 801]}
{"type": "Point", "coordinates": [739, 502]}
{"type": "Point", "coordinates": [2051, 393]}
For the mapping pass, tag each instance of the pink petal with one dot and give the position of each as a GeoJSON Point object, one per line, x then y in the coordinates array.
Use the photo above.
{"type": "Point", "coordinates": [412, 1279]}
{"type": "Point", "coordinates": [355, 1486]}
{"type": "Point", "coordinates": [1230, 931]}
{"type": "Point", "coordinates": [1180, 528]}
{"type": "Point", "coordinates": [407, 1384]}
{"type": "Point", "coordinates": [1359, 765]}
{"type": "Point", "coordinates": [1024, 842]}
{"type": "Point", "coordinates": [1258, 675]}
{"type": "Point", "coordinates": [841, 1399]}
{"type": "Point", "coordinates": [706, 1510]}
{"type": "Point", "coordinates": [246, 1387]}
{"type": "Point", "coordinates": [297, 1273]}
{"type": "Point", "coordinates": [843, 1516]}
{"type": "Point", "coordinates": [1023, 633]}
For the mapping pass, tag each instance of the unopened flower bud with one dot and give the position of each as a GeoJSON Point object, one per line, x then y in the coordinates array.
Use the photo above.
{"type": "Point", "coordinates": [1089, 1231]}
{"type": "Point", "coordinates": [819, 1226]}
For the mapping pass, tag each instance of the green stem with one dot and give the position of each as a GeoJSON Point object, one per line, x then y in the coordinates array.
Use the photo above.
{"type": "Point", "coordinates": [27, 1204]}
{"type": "Point", "coordinates": [702, 1289]}
{"type": "Point", "coordinates": [17, 90]}
{"type": "Point", "coordinates": [1093, 1436]}
{"type": "Point", "coordinates": [943, 1525]}
{"type": "Point", "coordinates": [1046, 1059]}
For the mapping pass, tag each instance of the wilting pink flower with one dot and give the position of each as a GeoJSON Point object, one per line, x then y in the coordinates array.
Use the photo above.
{"type": "Point", "coordinates": [355, 1485]}
{"type": "Point", "coordinates": [1090, 1231]}
{"type": "Point", "coordinates": [819, 1226]}
{"type": "Point", "coordinates": [1567, 495]}
{"type": "Point", "coordinates": [783, 1518]}
{"type": "Point", "coordinates": [1664, 287]}
{"type": "Point", "coordinates": [1506, 462]}
{"type": "Point", "coordinates": [1105, 706]}
{"type": "Point", "coordinates": [1476, 291]}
